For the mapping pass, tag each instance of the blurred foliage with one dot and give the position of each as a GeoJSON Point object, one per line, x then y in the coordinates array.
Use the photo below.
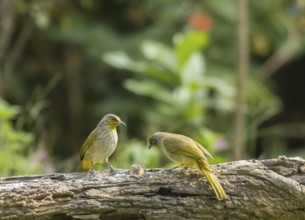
{"type": "Point", "coordinates": [175, 80]}
{"type": "Point", "coordinates": [185, 95]}
{"type": "Point", "coordinates": [18, 156]}
{"type": "Point", "coordinates": [166, 65]}
{"type": "Point", "coordinates": [14, 144]}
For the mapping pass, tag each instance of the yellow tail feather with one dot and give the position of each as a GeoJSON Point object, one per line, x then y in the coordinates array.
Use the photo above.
{"type": "Point", "coordinates": [84, 165]}
{"type": "Point", "coordinates": [205, 169]}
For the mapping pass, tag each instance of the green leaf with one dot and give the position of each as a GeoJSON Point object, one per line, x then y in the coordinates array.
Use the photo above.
{"type": "Point", "coordinates": [187, 44]}
{"type": "Point", "coordinates": [148, 88]}
{"type": "Point", "coordinates": [159, 52]}
{"type": "Point", "coordinates": [158, 73]}
{"type": "Point", "coordinates": [7, 111]}
{"type": "Point", "coordinates": [193, 70]}
{"type": "Point", "coordinates": [121, 60]}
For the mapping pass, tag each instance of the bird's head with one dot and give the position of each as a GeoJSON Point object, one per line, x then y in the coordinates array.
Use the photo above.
{"type": "Point", "coordinates": [112, 121]}
{"type": "Point", "coordinates": [153, 140]}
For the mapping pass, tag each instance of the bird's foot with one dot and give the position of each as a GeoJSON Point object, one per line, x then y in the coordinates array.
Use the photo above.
{"type": "Point", "coordinates": [112, 170]}
{"type": "Point", "coordinates": [91, 174]}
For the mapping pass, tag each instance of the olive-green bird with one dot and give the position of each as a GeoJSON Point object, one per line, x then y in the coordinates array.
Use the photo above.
{"type": "Point", "coordinates": [186, 152]}
{"type": "Point", "coordinates": [100, 144]}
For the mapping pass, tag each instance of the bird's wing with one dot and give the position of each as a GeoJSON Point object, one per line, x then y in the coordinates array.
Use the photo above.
{"type": "Point", "coordinates": [202, 148]}
{"type": "Point", "coordinates": [182, 145]}
{"type": "Point", "coordinates": [88, 143]}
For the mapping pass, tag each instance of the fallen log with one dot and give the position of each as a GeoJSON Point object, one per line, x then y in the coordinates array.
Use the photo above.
{"type": "Point", "coordinates": [257, 189]}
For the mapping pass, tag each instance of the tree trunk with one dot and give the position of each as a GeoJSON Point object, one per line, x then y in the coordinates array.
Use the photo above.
{"type": "Point", "coordinates": [239, 134]}
{"type": "Point", "coordinates": [267, 189]}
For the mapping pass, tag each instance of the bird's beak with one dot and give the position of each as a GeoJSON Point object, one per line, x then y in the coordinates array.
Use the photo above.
{"type": "Point", "coordinates": [122, 123]}
{"type": "Point", "coordinates": [149, 146]}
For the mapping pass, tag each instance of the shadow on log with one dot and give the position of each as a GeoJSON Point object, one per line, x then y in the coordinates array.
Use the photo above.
{"type": "Point", "coordinates": [267, 189]}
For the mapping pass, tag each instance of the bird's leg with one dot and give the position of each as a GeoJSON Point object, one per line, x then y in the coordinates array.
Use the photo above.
{"type": "Point", "coordinates": [112, 170]}
{"type": "Point", "coordinates": [92, 169]}
{"type": "Point", "coordinates": [91, 172]}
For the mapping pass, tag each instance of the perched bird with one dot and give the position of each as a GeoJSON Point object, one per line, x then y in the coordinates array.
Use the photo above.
{"type": "Point", "coordinates": [186, 152]}
{"type": "Point", "coordinates": [100, 143]}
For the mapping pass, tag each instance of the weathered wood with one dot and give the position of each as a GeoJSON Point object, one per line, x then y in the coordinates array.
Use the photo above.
{"type": "Point", "coordinates": [268, 189]}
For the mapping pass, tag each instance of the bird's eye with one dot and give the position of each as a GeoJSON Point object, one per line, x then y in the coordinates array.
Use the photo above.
{"type": "Point", "coordinates": [153, 142]}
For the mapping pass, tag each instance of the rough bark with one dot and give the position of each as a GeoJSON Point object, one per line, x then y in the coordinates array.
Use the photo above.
{"type": "Point", "coordinates": [267, 189]}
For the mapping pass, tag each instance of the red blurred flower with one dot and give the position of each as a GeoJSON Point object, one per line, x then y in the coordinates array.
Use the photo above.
{"type": "Point", "coordinates": [200, 21]}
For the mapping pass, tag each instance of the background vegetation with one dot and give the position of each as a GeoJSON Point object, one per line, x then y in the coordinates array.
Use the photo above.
{"type": "Point", "coordinates": [159, 65]}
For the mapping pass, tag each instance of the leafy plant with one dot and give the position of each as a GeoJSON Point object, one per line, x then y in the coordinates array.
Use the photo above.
{"type": "Point", "coordinates": [176, 81]}
{"type": "Point", "coordinates": [14, 144]}
{"type": "Point", "coordinates": [188, 99]}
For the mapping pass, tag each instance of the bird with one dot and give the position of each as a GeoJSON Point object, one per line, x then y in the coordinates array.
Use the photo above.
{"type": "Point", "coordinates": [100, 144]}
{"type": "Point", "coordinates": [184, 151]}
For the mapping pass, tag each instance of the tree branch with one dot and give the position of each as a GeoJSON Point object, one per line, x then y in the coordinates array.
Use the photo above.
{"type": "Point", "coordinates": [238, 140]}
{"type": "Point", "coordinates": [267, 189]}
